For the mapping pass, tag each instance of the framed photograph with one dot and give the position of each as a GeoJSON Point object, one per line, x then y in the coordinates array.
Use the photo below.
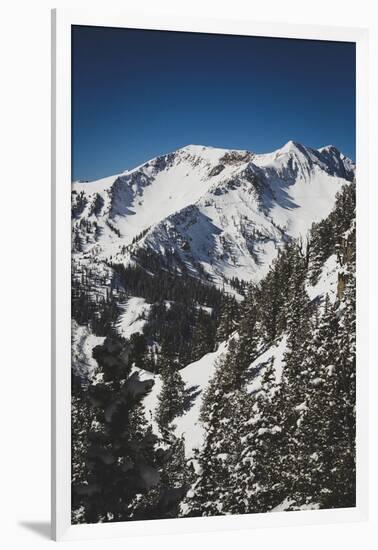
{"type": "Point", "coordinates": [210, 300]}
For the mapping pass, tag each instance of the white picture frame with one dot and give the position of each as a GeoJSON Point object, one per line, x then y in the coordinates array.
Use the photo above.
{"type": "Point", "coordinates": [61, 274]}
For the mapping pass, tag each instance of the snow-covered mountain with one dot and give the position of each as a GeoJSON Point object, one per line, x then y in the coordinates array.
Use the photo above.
{"type": "Point", "coordinates": [221, 213]}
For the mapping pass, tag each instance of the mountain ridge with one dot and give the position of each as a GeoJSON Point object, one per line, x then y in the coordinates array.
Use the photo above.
{"type": "Point", "coordinates": [197, 148]}
{"type": "Point", "coordinates": [223, 212]}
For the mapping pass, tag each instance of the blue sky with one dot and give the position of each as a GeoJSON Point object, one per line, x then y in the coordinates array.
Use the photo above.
{"type": "Point", "coordinates": [137, 94]}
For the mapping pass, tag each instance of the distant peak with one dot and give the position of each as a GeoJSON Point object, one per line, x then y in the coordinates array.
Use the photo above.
{"type": "Point", "coordinates": [337, 161]}
{"type": "Point", "coordinates": [292, 145]}
{"type": "Point", "coordinates": [210, 155]}
{"type": "Point", "coordinates": [202, 149]}
{"type": "Point", "coordinates": [194, 148]}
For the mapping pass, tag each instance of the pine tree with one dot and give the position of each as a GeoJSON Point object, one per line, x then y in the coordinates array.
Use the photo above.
{"type": "Point", "coordinates": [80, 427]}
{"type": "Point", "coordinates": [343, 491]}
{"type": "Point", "coordinates": [222, 414]}
{"type": "Point", "coordinates": [121, 458]}
{"type": "Point", "coordinates": [228, 318]}
{"type": "Point", "coordinates": [203, 337]}
{"type": "Point", "coordinates": [321, 247]}
{"type": "Point", "coordinates": [163, 500]}
{"type": "Point", "coordinates": [318, 411]}
{"type": "Point", "coordinates": [212, 488]}
{"type": "Point", "coordinates": [171, 399]}
{"type": "Point", "coordinates": [259, 481]}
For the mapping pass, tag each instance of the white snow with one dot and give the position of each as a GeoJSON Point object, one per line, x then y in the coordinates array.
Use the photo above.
{"type": "Point", "coordinates": [285, 505]}
{"type": "Point", "coordinates": [304, 190]}
{"type": "Point", "coordinates": [83, 342]}
{"type": "Point", "coordinates": [276, 353]}
{"type": "Point", "coordinates": [151, 400]}
{"type": "Point", "coordinates": [198, 375]}
{"type": "Point", "coordinates": [134, 317]}
{"type": "Point", "coordinates": [96, 186]}
{"type": "Point", "coordinates": [327, 282]}
{"type": "Point", "coordinates": [205, 309]}
{"type": "Point", "coordinates": [301, 407]}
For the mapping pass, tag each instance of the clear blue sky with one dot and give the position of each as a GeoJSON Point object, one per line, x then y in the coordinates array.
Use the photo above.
{"type": "Point", "coordinates": [138, 94]}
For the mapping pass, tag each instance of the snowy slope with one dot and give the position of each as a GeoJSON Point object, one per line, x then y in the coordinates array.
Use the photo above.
{"type": "Point", "coordinates": [220, 211]}
{"type": "Point", "coordinates": [325, 285]}
{"type": "Point", "coordinates": [82, 343]}
{"type": "Point", "coordinates": [133, 318]}
{"type": "Point", "coordinates": [327, 282]}
{"type": "Point", "coordinates": [140, 198]}
{"type": "Point", "coordinates": [304, 183]}
{"type": "Point", "coordinates": [196, 375]}
{"type": "Point", "coordinates": [257, 368]}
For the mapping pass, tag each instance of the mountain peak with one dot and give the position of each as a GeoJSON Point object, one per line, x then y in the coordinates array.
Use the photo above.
{"type": "Point", "coordinates": [193, 147]}
{"type": "Point", "coordinates": [212, 156]}
{"type": "Point", "coordinates": [197, 149]}
{"type": "Point", "coordinates": [292, 146]}
{"type": "Point", "coordinates": [337, 162]}
{"type": "Point", "coordinates": [208, 149]}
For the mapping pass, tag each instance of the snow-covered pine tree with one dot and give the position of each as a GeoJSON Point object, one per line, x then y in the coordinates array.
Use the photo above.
{"type": "Point", "coordinates": [275, 427]}
{"type": "Point", "coordinates": [163, 500]}
{"type": "Point", "coordinates": [121, 459]}
{"type": "Point", "coordinates": [244, 349]}
{"type": "Point", "coordinates": [343, 492]}
{"type": "Point", "coordinates": [228, 318]}
{"type": "Point", "coordinates": [258, 481]}
{"type": "Point", "coordinates": [317, 413]}
{"type": "Point", "coordinates": [224, 411]}
{"type": "Point", "coordinates": [321, 247]}
{"type": "Point", "coordinates": [213, 488]}
{"type": "Point", "coordinates": [270, 298]}
{"type": "Point", "coordinates": [171, 399]}
{"type": "Point", "coordinates": [327, 434]}
{"type": "Point", "coordinates": [324, 398]}
{"type": "Point", "coordinates": [203, 336]}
